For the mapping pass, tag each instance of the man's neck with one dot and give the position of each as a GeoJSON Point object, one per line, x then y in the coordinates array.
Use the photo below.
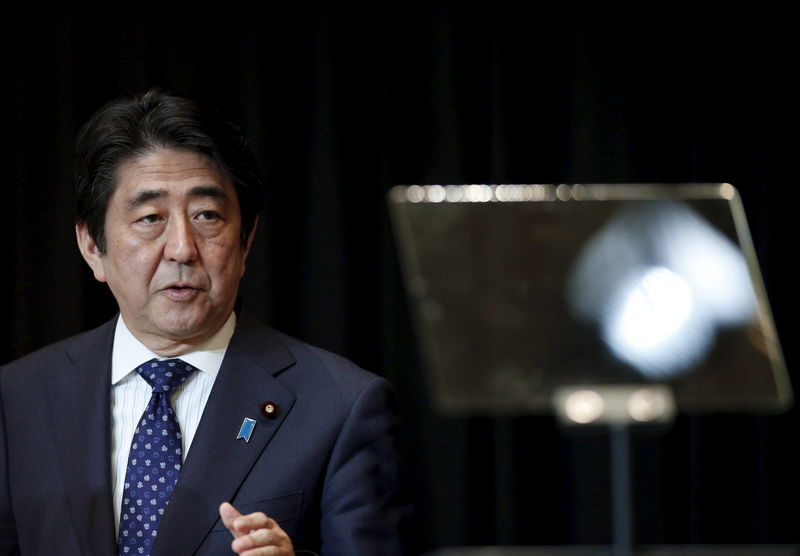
{"type": "Point", "coordinates": [167, 347]}
{"type": "Point", "coordinates": [175, 347]}
{"type": "Point", "coordinates": [129, 350]}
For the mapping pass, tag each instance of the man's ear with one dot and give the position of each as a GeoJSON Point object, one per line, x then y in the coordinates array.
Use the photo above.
{"type": "Point", "coordinates": [251, 237]}
{"type": "Point", "coordinates": [248, 244]}
{"type": "Point", "coordinates": [91, 253]}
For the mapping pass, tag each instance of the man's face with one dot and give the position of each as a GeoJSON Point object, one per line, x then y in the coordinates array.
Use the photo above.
{"type": "Point", "coordinates": [174, 255]}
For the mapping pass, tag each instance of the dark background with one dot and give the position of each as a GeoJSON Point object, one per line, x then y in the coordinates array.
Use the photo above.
{"type": "Point", "coordinates": [341, 104]}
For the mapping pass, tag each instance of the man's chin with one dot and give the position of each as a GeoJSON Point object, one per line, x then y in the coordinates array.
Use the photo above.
{"type": "Point", "coordinates": [186, 330]}
{"type": "Point", "coordinates": [182, 329]}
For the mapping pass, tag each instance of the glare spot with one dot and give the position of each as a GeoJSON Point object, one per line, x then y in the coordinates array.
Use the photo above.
{"type": "Point", "coordinates": [655, 309]}
{"type": "Point", "coordinates": [478, 193]}
{"type": "Point", "coordinates": [434, 193]}
{"type": "Point", "coordinates": [504, 193]}
{"type": "Point", "coordinates": [646, 405]}
{"type": "Point", "coordinates": [415, 194]}
{"type": "Point", "coordinates": [514, 192]}
{"type": "Point", "coordinates": [660, 282]}
{"type": "Point", "coordinates": [452, 193]}
{"type": "Point", "coordinates": [584, 406]}
{"type": "Point", "coordinates": [727, 191]}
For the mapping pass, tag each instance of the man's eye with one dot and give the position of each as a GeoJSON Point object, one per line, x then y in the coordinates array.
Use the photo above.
{"type": "Point", "coordinates": [209, 215]}
{"type": "Point", "coordinates": [149, 219]}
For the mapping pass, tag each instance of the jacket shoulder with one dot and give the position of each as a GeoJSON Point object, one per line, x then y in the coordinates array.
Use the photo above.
{"type": "Point", "coordinates": [337, 371]}
{"type": "Point", "coordinates": [66, 351]}
{"type": "Point", "coordinates": [303, 365]}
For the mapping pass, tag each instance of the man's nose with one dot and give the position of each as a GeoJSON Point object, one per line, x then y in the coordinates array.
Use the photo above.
{"type": "Point", "coordinates": [181, 243]}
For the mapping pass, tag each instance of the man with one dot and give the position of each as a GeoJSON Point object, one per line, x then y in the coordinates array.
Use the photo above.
{"type": "Point", "coordinates": [184, 426]}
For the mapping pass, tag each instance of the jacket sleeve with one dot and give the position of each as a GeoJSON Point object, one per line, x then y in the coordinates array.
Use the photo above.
{"type": "Point", "coordinates": [364, 508]}
{"type": "Point", "coordinates": [8, 528]}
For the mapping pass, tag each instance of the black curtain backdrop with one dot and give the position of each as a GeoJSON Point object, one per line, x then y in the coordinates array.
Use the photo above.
{"type": "Point", "coordinates": [341, 104]}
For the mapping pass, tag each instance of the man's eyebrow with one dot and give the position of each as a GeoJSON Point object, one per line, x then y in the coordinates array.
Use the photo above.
{"type": "Point", "coordinates": [146, 195]}
{"type": "Point", "coordinates": [213, 191]}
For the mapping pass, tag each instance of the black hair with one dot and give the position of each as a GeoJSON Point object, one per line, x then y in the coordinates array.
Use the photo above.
{"type": "Point", "coordinates": [127, 128]}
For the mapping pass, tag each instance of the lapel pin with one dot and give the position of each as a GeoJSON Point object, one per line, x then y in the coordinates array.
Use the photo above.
{"type": "Point", "coordinates": [269, 409]}
{"type": "Point", "coordinates": [247, 429]}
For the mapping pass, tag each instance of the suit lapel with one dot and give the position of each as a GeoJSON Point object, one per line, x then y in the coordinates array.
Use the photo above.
{"type": "Point", "coordinates": [218, 462]}
{"type": "Point", "coordinates": [81, 421]}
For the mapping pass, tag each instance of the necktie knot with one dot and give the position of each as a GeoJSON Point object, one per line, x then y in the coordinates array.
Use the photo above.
{"type": "Point", "coordinates": [165, 376]}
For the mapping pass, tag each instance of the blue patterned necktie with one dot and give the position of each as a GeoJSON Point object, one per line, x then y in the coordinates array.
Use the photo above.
{"type": "Point", "coordinates": [155, 459]}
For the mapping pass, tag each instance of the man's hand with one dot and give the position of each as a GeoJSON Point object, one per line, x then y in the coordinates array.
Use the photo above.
{"type": "Point", "coordinates": [255, 534]}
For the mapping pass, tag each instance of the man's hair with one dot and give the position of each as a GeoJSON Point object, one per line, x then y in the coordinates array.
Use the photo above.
{"type": "Point", "coordinates": [128, 128]}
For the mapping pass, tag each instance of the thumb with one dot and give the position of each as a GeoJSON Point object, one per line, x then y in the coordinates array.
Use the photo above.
{"type": "Point", "coordinates": [228, 514]}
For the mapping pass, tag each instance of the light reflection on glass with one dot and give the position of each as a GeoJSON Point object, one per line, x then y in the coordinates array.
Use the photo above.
{"type": "Point", "coordinates": [509, 193]}
{"type": "Point", "coordinates": [482, 193]}
{"type": "Point", "coordinates": [714, 267]}
{"type": "Point", "coordinates": [434, 193]}
{"type": "Point", "coordinates": [727, 191]}
{"type": "Point", "coordinates": [654, 308]}
{"type": "Point", "coordinates": [564, 192]}
{"type": "Point", "coordinates": [415, 194]}
{"type": "Point", "coordinates": [452, 193]}
{"type": "Point", "coordinates": [537, 192]}
{"type": "Point", "coordinates": [647, 404]}
{"type": "Point", "coordinates": [503, 193]}
{"type": "Point", "coordinates": [659, 282]}
{"type": "Point", "coordinates": [478, 193]}
{"type": "Point", "coordinates": [584, 406]}
{"type": "Point", "coordinates": [650, 324]}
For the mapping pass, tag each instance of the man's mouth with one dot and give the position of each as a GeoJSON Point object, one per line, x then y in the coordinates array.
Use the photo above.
{"type": "Point", "coordinates": [180, 292]}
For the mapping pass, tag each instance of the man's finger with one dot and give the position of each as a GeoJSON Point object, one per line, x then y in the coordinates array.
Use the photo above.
{"type": "Point", "coordinates": [252, 533]}
{"type": "Point", "coordinates": [255, 539]}
{"type": "Point", "coordinates": [239, 524]}
{"type": "Point", "coordinates": [228, 514]}
{"type": "Point", "coordinates": [250, 522]}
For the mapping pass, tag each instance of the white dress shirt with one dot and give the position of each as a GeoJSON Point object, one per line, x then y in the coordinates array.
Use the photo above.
{"type": "Point", "coordinates": [130, 394]}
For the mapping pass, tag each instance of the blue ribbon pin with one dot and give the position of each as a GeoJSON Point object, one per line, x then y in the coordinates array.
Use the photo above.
{"type": "Point", "coordinates": [247, 429]}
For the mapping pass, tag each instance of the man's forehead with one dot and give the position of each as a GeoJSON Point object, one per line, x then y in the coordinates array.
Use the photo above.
{"type": "Point", "coordinates": [144, 195]}
{"type": "Point", "coordinates": [164, 173]}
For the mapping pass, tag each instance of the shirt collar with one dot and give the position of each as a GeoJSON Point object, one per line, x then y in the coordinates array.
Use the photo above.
{"type": "Point", "coordinates": [128, 352]}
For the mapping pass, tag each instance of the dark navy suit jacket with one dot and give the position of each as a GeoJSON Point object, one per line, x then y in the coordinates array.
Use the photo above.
{"type": "Point", "coordinates": [325, 467]}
